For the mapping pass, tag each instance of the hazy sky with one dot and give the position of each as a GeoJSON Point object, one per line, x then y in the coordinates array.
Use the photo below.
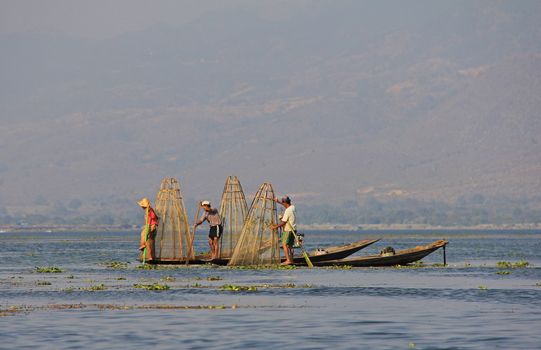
{"type": "Point", "coordinates": [106, 18]}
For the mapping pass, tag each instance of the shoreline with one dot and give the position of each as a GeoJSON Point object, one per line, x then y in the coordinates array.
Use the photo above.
{"type": "Point", "coordinates": [313, 227]}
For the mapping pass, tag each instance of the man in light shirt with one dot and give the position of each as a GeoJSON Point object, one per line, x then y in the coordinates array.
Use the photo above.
{"type": "Point", "coordinates": [216, 229]}
{"type": "Point", "coordinates": [288, 222]}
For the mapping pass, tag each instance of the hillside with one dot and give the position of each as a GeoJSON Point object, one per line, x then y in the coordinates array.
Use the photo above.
{"type": "Point", "coordinates": [331, 103]}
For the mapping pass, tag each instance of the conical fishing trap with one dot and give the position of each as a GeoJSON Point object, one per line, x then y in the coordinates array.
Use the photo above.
{"type": "Point", "coordinates": [173, 238]}
{"type": "Point", "coordinates": [233, 211]}
{"type": "Point", "coordinates": [258, 242]}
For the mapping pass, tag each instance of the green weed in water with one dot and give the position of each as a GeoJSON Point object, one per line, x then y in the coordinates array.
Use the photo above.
{"type": "Point", "coordinates": [511, 265]}
{"type": "Point", "coordinates": [482, 287]}
{"type": "Point", "coordinates": [121, 278]}
{"type": "Point", "coordinates": [95, 288]}
{"type": "Point", "coordinates": [169, 279]}
{"type": "Point", "coordinates": [147, 267]}
{"type": "Point", "coordinates": [339, 267]}
{"type": "Point", "coordinates": [49, 269]}
{"type": "Point", "coordinates": [154, 286]}
{"type": "Point", "coordinates": [116, 264]}
{"type": "Point", "coordinates": [214, 278]}
{"type": "Point", "coordinates": [503, 272]}
{"type": "Point", "coordinates": [43, 283]}
{"type": "Point", "coordinates": [235, 288]}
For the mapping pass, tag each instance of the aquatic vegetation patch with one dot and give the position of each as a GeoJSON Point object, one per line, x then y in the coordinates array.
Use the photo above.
{"type": "Point", "coordinates": [153, 286]}
{"type": "Point", "coordinates": [147, 267]}
{"type": "Point", "coordinates": [235, 288]}
{"type": "Point", "coordinates": [116, 264]}
{"type": "Point", "coordinates": [439, 265]}
{"type": "Point", "coordinates": [95, 288]}
{"type": "Point", "coordinates": [214, 278]}
{"type": "Point", "coordinates": [48, 269]}
{"type": "Point", "coordinates": [121, 278]}
{"type": "Point", "coordinates": [482, 287]}
{"type": "Point", "coordinates": [338, 267]}
{"type": "Point", "coordinates": [511, 265]}
{"type": "Point", "coordinates": [43, 283]}
{"type": "Point", "coordinates": [263, 267]}
{"type": "Point", "coordinates": [503, 272]}
{"type": "Point", "coordinates": [169, 279]}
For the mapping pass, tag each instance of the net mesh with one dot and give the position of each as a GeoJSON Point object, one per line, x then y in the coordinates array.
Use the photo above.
{"type": "Point", "coordinates": [173, 238]}
{"type": "Point", "coordinates": [233, 211]}
{"type": "Point", "coordinates": [258, 243]}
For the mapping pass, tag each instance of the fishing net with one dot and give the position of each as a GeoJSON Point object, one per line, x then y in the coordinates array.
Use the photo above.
{"type": "Point", "coordinates": [258, 243]}
{"type": "Point", "coordinates": [173, 238]}
{"type": "Point", "coordinates": [233, 210]}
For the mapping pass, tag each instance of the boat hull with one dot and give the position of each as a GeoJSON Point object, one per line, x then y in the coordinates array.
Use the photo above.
{"type": "Point", "coordinates": [402, 257]}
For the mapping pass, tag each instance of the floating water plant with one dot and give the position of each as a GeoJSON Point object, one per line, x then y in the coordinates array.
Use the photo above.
{"type": "Point", "coordinates": [169, 279]}
{"type": "Point", "coordinates": [510, 265]}
{"type": "Point", "coordinates": [147, 267]}
{"type": "Point", "coordinates": [503, 272]}
{"type": "Point", "coordinates": [482, 287]}
{"type": "Point", "coordinates": [49, 269]}
{"type": "Point", "coordinates": [95, 288]}
{"type": "Point", "coordinates": [235, 288]}
{"type": "Point", "coordinates": [214, 278]}
{"type": "Point", "coordinates": [43, 283]}
{"type": "Point", "coordinates": [339, 267]}
{"type": "Point", "coordinates": [116, 264]}
{"type": "Point", "coordinates": [154, 286]}
{"type": "Point", "coordinates": [121, 278]}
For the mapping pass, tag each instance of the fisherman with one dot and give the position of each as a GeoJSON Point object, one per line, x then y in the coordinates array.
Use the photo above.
{"type": "Point", "coordinates": [288, 223]}
{"type": "Point", "coordinates": [216, 229]}
{"type": "Point", "coordinates": [148, 233]}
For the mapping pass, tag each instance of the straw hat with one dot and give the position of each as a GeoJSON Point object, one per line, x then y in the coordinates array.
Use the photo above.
{"type": "Point", "coordinates": [144, 203]}
{"type": "Point", "coordinates": [205, 203]}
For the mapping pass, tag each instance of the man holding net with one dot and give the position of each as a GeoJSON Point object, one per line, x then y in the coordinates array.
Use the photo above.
{"type": "Point", "coordinates": [288, 223]}
{"type": "Point", "coordinates": [216, 229]}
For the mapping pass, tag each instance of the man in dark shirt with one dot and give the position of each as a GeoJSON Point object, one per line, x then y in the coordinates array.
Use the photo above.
{"type": "Point", "coordinates": [216, 229]}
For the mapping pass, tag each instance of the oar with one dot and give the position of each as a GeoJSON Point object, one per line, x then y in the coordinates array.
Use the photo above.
{"type": "Point", "coordinates": [306, 257]}
{"type": "Point", "coordinates": [193, 234]}
{"type": "Point", "coordinates": [147, 230]}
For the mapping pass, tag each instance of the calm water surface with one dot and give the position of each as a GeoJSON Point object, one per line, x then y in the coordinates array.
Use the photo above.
{"type": "Point", "coordinates": [471, 304]}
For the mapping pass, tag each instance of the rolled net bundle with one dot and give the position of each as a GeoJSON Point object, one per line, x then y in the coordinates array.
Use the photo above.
{"type": "Point", "coordinates": [258, 243]}
{"type": "Point", "coordinates": [173, 238]}
{"type": "Point", "coordinates": [233, 211]}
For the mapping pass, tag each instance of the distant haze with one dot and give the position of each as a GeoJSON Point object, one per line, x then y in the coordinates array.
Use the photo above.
{"type": "Point", "coordinates": [331, 101]}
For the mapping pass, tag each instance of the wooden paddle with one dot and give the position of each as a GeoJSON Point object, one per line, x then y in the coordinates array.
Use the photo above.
{"type": "Point", "coordinates": [304, 253]}
{"type": "Point", "coordinates": [193, 234]}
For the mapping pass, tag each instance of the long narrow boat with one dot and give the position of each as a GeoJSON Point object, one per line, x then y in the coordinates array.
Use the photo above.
{"type": "Point", "coordinates": [331, 253]}
{"type": "Point", "coordinates": [401, 257]}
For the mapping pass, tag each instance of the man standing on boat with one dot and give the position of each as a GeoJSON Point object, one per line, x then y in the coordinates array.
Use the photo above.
{"type": "Point", "coordinates": [288, 223]}
{"type": "Point", "coordinates": [148, 233]}
{"type": "Point", "coordinates": [216, 229]}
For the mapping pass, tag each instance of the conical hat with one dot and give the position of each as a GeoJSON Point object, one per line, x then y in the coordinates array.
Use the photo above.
{"type": "Point", "coordinates": [144, 203]}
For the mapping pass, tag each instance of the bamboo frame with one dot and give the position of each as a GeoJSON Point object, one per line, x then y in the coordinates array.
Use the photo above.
{"type": "Point", "coordinates": [258, 242]}
{"type": "Point", "coordinates": [233, 211]}
{"type": "Point", "coordinates": [173, 235]}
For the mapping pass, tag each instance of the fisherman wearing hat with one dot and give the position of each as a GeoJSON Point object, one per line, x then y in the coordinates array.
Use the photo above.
{"type": "Point", "coordinates": [149, 230]}
{"type": "Point", "coordinates": [216, 229]}
{"type": "Point", "coordinates": [288, 223]}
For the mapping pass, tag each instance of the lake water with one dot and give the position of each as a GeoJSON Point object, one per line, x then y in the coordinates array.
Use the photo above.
{"type": "Point", "coordinates": [471, 304]}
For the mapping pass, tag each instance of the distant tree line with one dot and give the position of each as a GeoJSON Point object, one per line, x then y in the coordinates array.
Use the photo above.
{"type": "Point", "coordinates": [465, 211]}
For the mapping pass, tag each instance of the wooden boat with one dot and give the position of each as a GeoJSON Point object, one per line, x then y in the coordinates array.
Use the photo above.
{"type": "Point", "coordinates": [332, 253]}
{"type": "Point", "coordinates": [401, 257]}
